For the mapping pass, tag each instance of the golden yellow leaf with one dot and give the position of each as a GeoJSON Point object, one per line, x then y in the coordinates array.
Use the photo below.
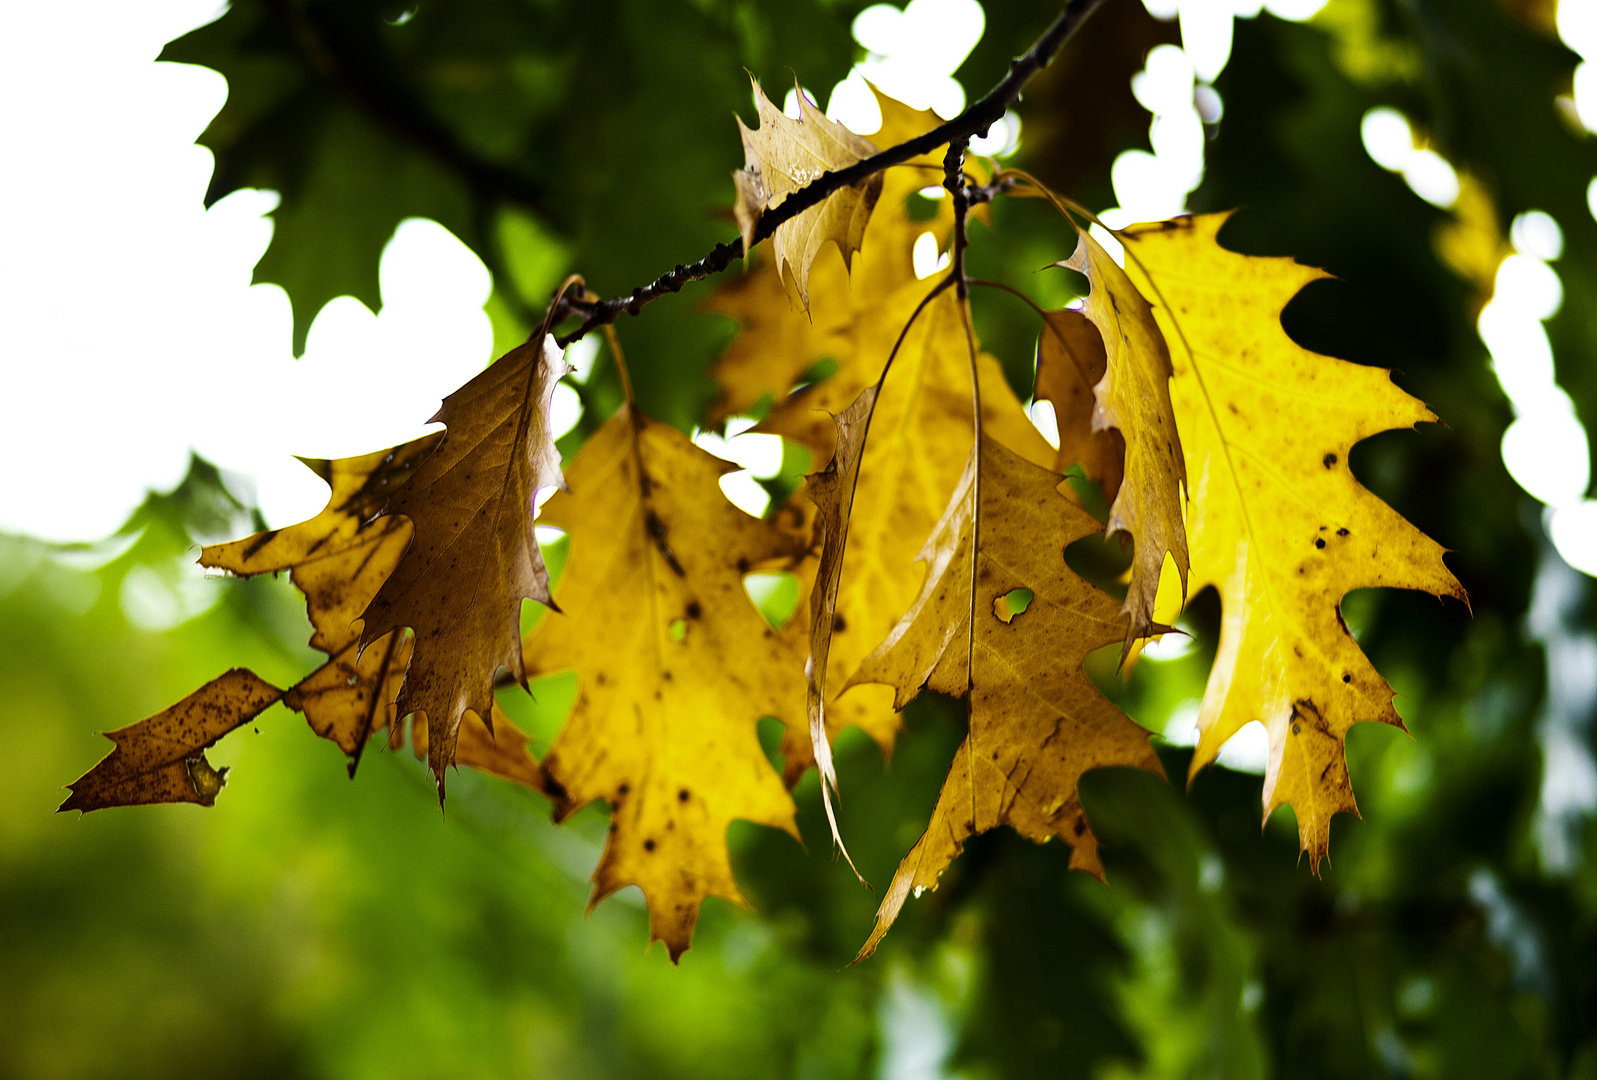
{"type": "Point", "coordinates": [920, 435]}
{"type": "Point", "coordinates": [778, 343]}
{"type": "Point", "coordinates": [1134, 397]}
{"type": "Point", "coordinates": [340, 557]}
{"type": "Point", "coordinates": [161, 759]}
{"type": "Point", "coordinates": [783, 155]}
{"type": "Point", "coordinates": [675, 665]}
{"type": "Point", "coordinates": [1279, 524]}
{"type": "Point", "coordinates": [1070, 362]}
{"type": "Point", "coordinates": [1036, 720]}
{"type": "Point", "coordinates": [474, 555]}
{"type": "Point", "coordinates": [918, 438]}
{"type": "Point", "coordinates": [351, 697]}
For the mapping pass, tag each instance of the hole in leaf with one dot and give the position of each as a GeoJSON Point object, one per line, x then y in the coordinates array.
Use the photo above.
{"type": "Point", "coordinates": [922, 205]}
{"type": "Point", "coordinates": [679, 629]}
{"type": "Point", "coordinates": [820, 371]}
{"type": "Point", "coordinates": [1012, 603]}
{"type": "Point", "coordinates": [770, 731]}
{"type": "Point", "coordinates": [775, 596]}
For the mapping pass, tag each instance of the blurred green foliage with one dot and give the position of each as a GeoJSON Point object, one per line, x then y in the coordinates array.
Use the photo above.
{"type": "Point", "coordinates": [309, 926]}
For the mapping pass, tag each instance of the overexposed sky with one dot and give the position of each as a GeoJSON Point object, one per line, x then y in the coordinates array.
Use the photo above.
{"type": "Point", "coordinates": [132, 334]}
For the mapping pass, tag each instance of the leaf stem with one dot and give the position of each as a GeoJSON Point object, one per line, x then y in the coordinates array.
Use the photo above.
{"type": "Point", "coordinates": [975, 552]}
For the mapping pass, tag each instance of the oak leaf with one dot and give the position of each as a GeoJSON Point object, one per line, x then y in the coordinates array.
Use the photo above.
{"type": "Point", "coordinates": [854, 322]}
{"type": "Point", "coordinates": [161, 759]}
{"type": "Point", "coordinates": [675, 665]}
{"type": "Point", "coordinates": [351, 697]}
{"type": "Point", "coordinates": [1279, 524]}
{"type": "Point", "coordinates": [778, 345]}
{"type": "Point", "coordinates": [474, 555]}
{"type": "Point", "coordinates": [920, 426]}
{"type": "Point", "coordinates": [783, 155]}
{"type": "Point", "coordinates": [1133, 397]}
{"type": "Point", "coordinates": [500, 750]}
{"type": "Point", "coordinates": [1037, 722]}
{"type": "Point", "coordinates": [340, 557]}
{"type": "Point", "coordinates": [1070, 362]}
{"type": "Point", "coordinates": [338, 560]}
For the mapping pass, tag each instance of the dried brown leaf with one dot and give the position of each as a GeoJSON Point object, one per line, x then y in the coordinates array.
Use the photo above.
{"type": "Point", "coordinates": [161, 759]}
{"type": "Point", "coordinates": [1134, 397]}
{"type": "Point", "coordinates": [474, 556]}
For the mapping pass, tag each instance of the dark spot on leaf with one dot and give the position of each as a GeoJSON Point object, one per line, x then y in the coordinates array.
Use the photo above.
{"type": "Point", "coordinates": [1295, 729]}
{"type": "Point", "coordinates": [1329, 459]}
{"type": "Point", "coordinates": [743, 566]}
{"type": "Point", "coordinates": [1347, 678]}
{"type": "Point", "coordinates": [1080, 826]}
{"type": "Point", "coordinates": [1320, 542]}
{"type": "Point", "coordinates": [623, 789]}
{"type": "Point", "coordinates": [694, 610]}
{"type": "Point", "coordinates": [260, 541]}
{"type": "Point", "coordinates": [1341, 532]}
{"type": "Point", "coordinates": [682, 796]}
{"type": "Point", "coordinates": [838, 624]}
{"type": "Point", "coordinates": [648, 845]}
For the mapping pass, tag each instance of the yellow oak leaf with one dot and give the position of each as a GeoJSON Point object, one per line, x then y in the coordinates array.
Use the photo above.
{"type": "Point", "coordinates": [1134, 398]}
{"type": "Point", "coordinates": [340, 557]}
{"type": "Point", "coordinates": [783, 155]}
{"type": "Point", "coordinates": [1037, 722]}
{"type": "Point", "coordinates": [675, 665]}
{"type": "Point", "coordinates": [1279, 524]}
{"type": "Point", "coordinates": [920, 434]}
{"type": "Point", "coordinates": [351, 697]}
{"type": "Point", "coordinates": [920, 430]}
{"type": "Point", "coordinates": [1070, 362]}
{"type": "Point", "coordinates": [161, 759]}
{"type": "Point", "coordinates": [474, 555]}
{"type": "Point", "coordinates": [778, 343]}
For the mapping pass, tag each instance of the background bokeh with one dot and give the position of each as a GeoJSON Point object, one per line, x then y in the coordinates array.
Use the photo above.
{"type": "Point", "coordinates": [404, 183]}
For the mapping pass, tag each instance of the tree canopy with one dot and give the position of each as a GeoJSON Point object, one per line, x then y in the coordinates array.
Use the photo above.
{"type": "Point", "coordinates": [1230, 456]}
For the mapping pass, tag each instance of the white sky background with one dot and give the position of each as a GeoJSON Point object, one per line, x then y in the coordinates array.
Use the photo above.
{"type": "Point", "coordinates": [131, 331]}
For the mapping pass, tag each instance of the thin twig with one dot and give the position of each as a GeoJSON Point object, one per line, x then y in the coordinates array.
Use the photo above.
{"type": "Point", "coordinates": [972, 122]}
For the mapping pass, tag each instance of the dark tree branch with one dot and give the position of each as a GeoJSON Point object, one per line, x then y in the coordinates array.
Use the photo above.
{"type": "Point", "coordinates": [972, 122]}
